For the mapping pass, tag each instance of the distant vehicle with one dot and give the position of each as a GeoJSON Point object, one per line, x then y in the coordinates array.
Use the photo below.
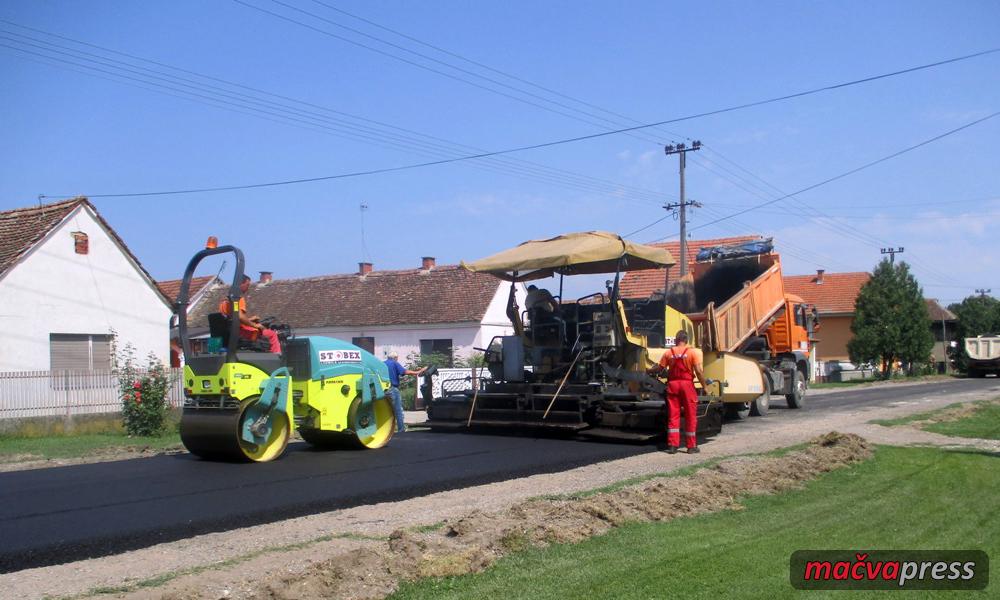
{"type": "Point", "coordinates": [984, 355]}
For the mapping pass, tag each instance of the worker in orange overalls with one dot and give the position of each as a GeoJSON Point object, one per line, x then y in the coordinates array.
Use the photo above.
{"type": "Point", "coordinates": [683, 364]}
{"type": "Point", "coordinates": [250, 327]}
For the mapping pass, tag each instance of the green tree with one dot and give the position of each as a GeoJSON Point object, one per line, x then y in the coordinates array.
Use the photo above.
{"type": "Point", "coordinates": [977, 315]}
{"type": "Point", "coordinates": [890, 320]}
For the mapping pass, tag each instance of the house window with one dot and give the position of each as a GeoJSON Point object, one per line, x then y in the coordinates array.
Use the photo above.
{"type": "Point", "coordinates": [439, 347]}
{"type": "Point", "coordinates": [365, 343]}
{"type": "Point", "coordinates": [79, 352]}
{"type": "Point", "coordinates": [81, 245]}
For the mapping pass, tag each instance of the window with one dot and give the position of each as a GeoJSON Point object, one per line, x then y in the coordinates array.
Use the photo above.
{"type": "Point", "coordinates": [365, 343]}
{"type": "Point", "coordinates": [439, 347]}
{"type": "Point", "coordinates": [79, 352]}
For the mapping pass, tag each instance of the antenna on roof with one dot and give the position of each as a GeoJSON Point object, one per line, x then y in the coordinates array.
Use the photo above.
{"type": "Point", "coordinates": [365, 257]}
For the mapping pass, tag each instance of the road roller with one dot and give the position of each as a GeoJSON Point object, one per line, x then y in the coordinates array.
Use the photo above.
{"type": "Point", "coordinates": [243, 404]}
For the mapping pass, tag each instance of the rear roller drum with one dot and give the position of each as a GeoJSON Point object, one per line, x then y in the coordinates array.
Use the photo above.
{"type": "Point", "coordinates": [385, 426]}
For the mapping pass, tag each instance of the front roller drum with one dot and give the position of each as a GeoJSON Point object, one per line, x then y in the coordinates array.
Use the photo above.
{"type": "Point", "coordinates": [385, 426]}
{"type": "Point", "coordinates": [214, 434]}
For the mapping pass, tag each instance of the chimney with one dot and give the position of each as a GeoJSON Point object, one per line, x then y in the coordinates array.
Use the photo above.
{"type": "Point", "coordinates": [364, 268]}
{"type": "Point", "coordinates": [428, 263]}
{"type": "Point", "coordinates": [819, 276]}
{"type": "Point", "coordinates": [265, 276]}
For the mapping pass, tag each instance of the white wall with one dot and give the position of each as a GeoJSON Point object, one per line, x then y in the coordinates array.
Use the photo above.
{"type": "Point", "coordinates": [55, 290]}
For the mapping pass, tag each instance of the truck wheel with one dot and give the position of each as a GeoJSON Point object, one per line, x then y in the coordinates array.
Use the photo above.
{"type": "Point", "coordinates": [797, 399]}
{"type": "Point", "coordinates": [760, 406]}
{"type": "Point", "coordinates": [737, 412]}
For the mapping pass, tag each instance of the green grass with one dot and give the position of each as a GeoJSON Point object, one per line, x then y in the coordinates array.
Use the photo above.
{"type": "Point", "coordinates": [64, 446]}
{"type": "Point", "coordinates": [904, 498]}
{"type": "Point", "coordinates": [914, 417]}
{"type": "Point", "coordinates": [984, 424]}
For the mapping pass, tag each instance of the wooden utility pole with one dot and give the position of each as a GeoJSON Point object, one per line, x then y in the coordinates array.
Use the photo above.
{"type": "Point", "coordinates": [892, 253]}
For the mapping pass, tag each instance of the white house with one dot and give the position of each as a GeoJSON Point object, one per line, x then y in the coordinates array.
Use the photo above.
{"type": "Point", "coordinates": [67, 281]}
{"type": "Point", "coordinates": [440, 309]}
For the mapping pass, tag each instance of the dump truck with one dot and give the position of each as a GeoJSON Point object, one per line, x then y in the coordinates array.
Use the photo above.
{"type": "Point", "coordinates": [242, 402]}
{"type": "Point", "coordinates": [582, 368]}
{"type": "Point", "coordinates": [984, 355]}
{"type": "Point", "coordinates": [746, 324]}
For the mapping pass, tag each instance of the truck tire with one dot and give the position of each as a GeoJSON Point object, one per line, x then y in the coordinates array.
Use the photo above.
{"type": "Point", "coordinates": [797, 398]}
{"type": "Point", "coordinates": [760, 405]}
{"type": "Point", "coordinates": [737, 412]}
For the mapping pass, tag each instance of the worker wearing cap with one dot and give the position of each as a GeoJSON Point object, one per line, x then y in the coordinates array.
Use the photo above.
{"type": "Point", "coordinates": [396, 371]}
{"type": "Point", "coordinates": [683, 364]}
{"type": "Point", "coordinates": [250, 327]}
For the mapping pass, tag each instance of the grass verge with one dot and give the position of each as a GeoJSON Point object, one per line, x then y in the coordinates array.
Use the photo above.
{"type": "Point", "coordinates": [983, 424]}
{"type": "Point", "coordinates": [903, 498]}
{"type": "Point", "coordinates": [19, 449]}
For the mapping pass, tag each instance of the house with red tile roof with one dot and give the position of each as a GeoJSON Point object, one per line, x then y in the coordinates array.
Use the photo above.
{"type": "Point", "coordinates": [67, 281]}
{"type": "Point", "coordinates": [442, 309]}
{"type": "Point", "coordinates": [834, 295]}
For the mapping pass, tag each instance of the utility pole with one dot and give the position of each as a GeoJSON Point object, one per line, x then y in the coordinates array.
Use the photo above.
{"type": "Point", "coordinates": [892, 253]}
{"type": "Point", "coordinates": [982, 292]}
{"type": "Point", "coordinates": [682, 150]}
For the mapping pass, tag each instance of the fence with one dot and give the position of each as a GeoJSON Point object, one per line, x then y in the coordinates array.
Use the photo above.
{"type": "Point", "coordinates": [26, 394]}
{"type": "Point", "coordinates": [454, 380]}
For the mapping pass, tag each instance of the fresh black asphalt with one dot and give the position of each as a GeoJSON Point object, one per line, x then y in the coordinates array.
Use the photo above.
{"type": "Point", "coordinates": [58, 515]}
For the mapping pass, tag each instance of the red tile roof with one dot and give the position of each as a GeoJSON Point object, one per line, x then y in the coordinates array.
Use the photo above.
{"type": "Point", "coordinates": [171, 288]}
{"type": "Point", "coordinates": [641, 284]}
{"type": "Point", "coordinates": [836, 294]}
{"type": "Point", "coordinates": [22, 228]}
{"type": "Point", "coordinates": [445, 294]}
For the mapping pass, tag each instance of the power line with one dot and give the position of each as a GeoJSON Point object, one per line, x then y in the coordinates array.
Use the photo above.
{"type": "Point", "coordinates": [857, 169]}
{"type": "Point", "coordinates": [309, 120]}
{"type": "Point", "coordinates": [384, 170]}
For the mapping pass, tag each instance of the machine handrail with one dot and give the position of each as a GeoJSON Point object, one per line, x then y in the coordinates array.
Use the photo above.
{"type": "Point", "coordinates": [181, 304]}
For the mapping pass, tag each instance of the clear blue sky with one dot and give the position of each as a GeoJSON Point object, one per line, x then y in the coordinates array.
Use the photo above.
{"type": "Point", "coordinates": [70, 130]}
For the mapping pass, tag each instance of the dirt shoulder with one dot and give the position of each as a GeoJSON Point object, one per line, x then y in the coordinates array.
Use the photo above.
{"type": "Point", "coordinates": [295, 555]}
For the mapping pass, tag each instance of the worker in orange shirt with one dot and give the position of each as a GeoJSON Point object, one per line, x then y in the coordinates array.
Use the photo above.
{"type": "Point", "coordinates": [683, 364]}
{"type": "Point", "coordinates": [250, 327]}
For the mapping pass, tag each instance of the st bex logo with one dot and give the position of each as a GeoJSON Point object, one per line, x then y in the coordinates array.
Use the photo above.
{"type": "Point", "coordinates": [336, 356]}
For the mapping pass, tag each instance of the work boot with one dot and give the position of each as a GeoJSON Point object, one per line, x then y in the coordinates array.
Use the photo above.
{"type": "Point", "coordinates": [694, 450]}
{"type": "Point", "coordinates": [671, 450]}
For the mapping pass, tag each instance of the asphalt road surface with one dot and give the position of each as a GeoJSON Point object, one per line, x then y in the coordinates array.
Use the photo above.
{"type": "Point", "coordinates": [58, 515]}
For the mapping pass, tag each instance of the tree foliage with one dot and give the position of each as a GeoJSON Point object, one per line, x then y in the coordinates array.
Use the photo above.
{"type": "Point", "coordinates": [891, 322]}
{"type": "Point", "coordinates": [977, 315]}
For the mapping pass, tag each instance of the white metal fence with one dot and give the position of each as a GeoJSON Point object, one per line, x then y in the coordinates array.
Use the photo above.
{"type": "Point", "coordinates": [453, 380]}
{"type": "Point", "coordinates": [26, 394]}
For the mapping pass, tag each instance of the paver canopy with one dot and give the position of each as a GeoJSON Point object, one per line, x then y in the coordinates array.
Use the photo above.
{"type": "Point", "coordinates": [582, 253]}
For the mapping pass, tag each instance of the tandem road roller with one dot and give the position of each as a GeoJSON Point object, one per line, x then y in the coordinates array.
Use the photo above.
{"type": "Point", "coordinates": [243, 404]}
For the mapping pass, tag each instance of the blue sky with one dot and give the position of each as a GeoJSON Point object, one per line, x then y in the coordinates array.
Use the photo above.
{"type": "Point", "coordinates": [70, 130]}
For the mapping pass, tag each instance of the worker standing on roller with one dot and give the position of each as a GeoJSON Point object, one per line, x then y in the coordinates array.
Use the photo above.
{"type": "Point", "coordinates": [683, 364]}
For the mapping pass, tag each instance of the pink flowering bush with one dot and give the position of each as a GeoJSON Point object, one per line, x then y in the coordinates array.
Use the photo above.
{"type": "Point", "coordinates": [143, 393]}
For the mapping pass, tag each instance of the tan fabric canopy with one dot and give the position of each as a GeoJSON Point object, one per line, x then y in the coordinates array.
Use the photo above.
{"type": "Point", "coordinates": [583, 253]}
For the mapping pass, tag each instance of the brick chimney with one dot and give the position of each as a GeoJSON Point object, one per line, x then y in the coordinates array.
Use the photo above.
{"type": "Point", "coordinates": [364, 268]}
{"type": "Point", "coordinates": [265, 276]}
{"type": "Point", "coordinates": [819, 276]}
{"type": "Point", "coordinates": [428, 263]}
